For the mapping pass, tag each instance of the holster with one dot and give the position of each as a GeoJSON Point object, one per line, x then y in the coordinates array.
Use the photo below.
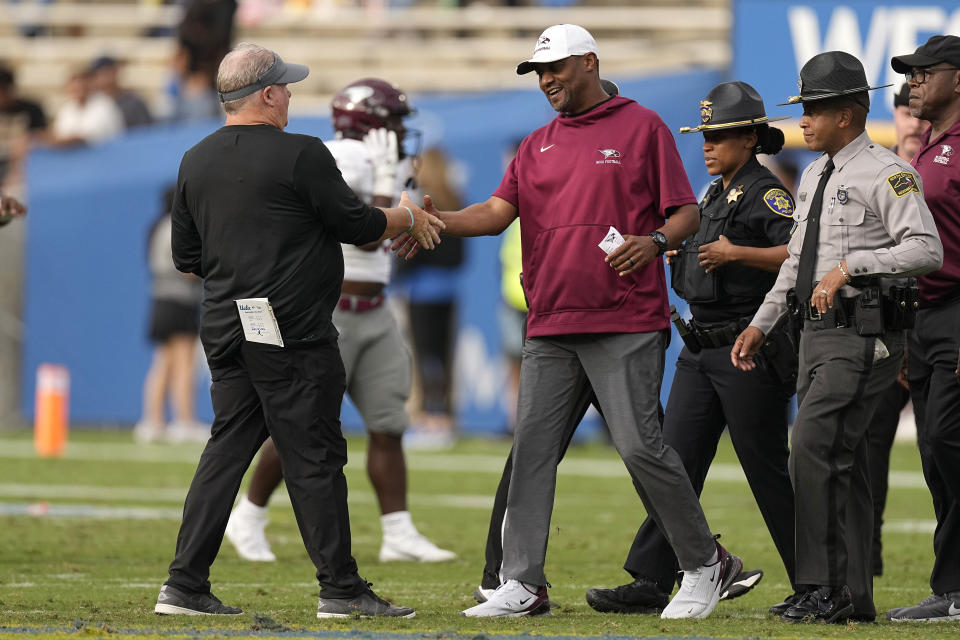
{"type": "Point", "coordinates": [685, 330]}
{"type": "Point", "coordinates": [780, 353]}
{"type": "Point", "coordinates": [868, 316]}
{"type": "Point", "coordinates": [793, 323]}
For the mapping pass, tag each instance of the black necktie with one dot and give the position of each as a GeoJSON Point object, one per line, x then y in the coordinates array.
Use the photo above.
{"type": "Point", "coordinates": [811, 237]}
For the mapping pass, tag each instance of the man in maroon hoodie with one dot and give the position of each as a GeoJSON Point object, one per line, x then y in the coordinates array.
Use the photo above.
{"type": "Point", "coordinates": [933, 72]}
{"type": "Point", "coordinates": [596, 320]}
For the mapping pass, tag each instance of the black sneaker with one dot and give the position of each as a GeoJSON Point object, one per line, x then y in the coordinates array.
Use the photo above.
{"type": "Point", "coordinates": [366, 605]}
{"type": "Point", "coordinates": [825, 604]}
{"type": "Point", "coordinates": [640, 596]}
{"type": "Point", "coordinates": [173, 601]}
{"type": "Point", "coordinates": [781, 608]}
{"type": "Point", "coordinates": [933, 608]}
{"type": "Point", "coordinates": [744, 582]}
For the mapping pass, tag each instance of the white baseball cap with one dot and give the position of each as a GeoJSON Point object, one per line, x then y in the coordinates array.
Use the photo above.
{"type": "Point", "coordinates": [558, 42]}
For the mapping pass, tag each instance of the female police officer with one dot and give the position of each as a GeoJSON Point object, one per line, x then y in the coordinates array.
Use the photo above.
{"type": "Point", "coordinates": [724, 271]}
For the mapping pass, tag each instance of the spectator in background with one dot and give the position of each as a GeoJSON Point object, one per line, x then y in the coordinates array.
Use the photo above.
{"type": "Point", "coordinates": [86, 117]}
{"type": "Point", "coordinates": [105, 79]}
{"type": "Point", "coordinates": [886, 419]}
{"type": "Point", "coordinates": [174, 328]}
{"type": "Point", "coordinates": [204, 36]}
{"type": "Point", "coordinates": [21, 122]}
{"type": "Point", "coordinates": [194, 92]}
{"type": "Point", "coordinates": [432, 282]}
{"type": "Point", "coordinates": [10, 208]}
{"type": "Point", "coordinates": [513, 314]}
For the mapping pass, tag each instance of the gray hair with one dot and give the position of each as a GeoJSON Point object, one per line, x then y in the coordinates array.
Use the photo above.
{"type": "Point", "coordinates": [241, 67]}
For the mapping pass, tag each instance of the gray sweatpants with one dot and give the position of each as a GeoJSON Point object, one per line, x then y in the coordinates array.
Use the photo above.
{"type": "Point", "coordinates": [625, 371]}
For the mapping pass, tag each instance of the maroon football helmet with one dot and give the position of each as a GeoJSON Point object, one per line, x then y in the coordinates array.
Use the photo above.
{"type": "Point", "coordinates": [368, 104]}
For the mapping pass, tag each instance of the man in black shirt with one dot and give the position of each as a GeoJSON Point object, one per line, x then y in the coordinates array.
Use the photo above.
{"type": "Point", "coordinates": [260, 213]}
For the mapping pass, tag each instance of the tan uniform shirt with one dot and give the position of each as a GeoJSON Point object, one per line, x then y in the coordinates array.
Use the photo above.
{"type": "Point", "coordinates": [874, 217]}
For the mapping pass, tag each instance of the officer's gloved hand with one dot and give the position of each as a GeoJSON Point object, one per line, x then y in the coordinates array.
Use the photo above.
{"type": "Point", "coordinates": [382, 145]}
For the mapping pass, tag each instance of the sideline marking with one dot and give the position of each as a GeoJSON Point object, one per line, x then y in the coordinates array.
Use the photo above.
{"type": "Point", "coordinates": [19, 448]}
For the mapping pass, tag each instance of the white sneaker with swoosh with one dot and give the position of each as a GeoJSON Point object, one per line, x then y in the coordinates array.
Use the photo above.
{"type": "Point", "coordinates": [701, 588]}
{"type": "Point", "coordinates": [512, 599]}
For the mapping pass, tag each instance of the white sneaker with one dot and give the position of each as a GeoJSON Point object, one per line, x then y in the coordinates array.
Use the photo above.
{"type": "Point", "coordinates": [412, 547]}
{"type": "Point", "coordinates": [700, 589]}
{"type": "Point", "coordinates": [187, 431]}
{"type": "Point", "coordinates": [146, 432]}
{"type": "Point", "coordinates": [512, 599]}
{"type": "Point", "coordinates": [422, 440]}
{"type": "Point", "coordinates": [245, 531]}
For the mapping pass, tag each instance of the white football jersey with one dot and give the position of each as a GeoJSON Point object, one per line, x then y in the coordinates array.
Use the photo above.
{"type": "Point", "coordinates": [355, 165]}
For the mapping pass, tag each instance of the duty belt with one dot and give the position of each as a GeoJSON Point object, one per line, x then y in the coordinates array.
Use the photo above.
{"type": "Point", "coordinates": [842, 314]}
{"type": "Point", "coordinates": [720, 335]}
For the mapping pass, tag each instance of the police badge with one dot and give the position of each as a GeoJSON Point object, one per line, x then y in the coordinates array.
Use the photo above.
{"type": "Point", "coordinates": [706, 111]}
{"type": "Point", "coordinates": [842, 195]}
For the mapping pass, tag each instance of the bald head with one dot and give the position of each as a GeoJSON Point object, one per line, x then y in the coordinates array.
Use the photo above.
{"type": "Point", "coordinates": [241, 67]}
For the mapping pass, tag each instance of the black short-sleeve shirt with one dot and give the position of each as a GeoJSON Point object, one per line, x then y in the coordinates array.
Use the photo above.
{"type": "Point", "coordinates": [260, 213]}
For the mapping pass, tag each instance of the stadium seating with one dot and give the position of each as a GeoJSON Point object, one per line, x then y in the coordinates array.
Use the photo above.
{"type": "Point", "coordinates": [419, 47]}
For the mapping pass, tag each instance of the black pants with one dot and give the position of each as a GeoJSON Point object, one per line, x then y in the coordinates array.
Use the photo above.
{"type": "Point", "coordinates": [883, 429]}
{"type": "Point", "coordinates": [432, 325]}
{"type": "Point", "coordinates": [707, 394]}
{"type": "Point", "coordinates": [936, 404]}
{"type": "Point", "coordinates": [293, 395]}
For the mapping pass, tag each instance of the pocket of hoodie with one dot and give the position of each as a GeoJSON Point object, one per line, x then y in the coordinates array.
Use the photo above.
{"type": "Point", "coordinates": [572, 274]}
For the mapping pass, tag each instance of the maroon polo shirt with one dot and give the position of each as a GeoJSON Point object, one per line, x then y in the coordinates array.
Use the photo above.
{"type": "Point", "coordinates": [615, 165]}
{"type": "Point", "coordinates": [938, 163]}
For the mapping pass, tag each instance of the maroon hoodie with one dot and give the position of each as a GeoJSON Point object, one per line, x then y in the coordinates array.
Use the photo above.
{"type": "Point", "coordinates": [615, 165]}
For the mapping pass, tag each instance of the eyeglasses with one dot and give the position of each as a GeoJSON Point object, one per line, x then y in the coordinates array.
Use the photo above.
{"type": "Point", "coordinates": [920, 75]}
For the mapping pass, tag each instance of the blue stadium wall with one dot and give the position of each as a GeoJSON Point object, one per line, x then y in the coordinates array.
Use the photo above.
{"type": "Point", "coordinates": [86, 298]}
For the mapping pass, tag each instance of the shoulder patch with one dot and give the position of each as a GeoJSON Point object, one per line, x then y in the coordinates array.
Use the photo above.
{"type": "Point", "coordinates": [903, 183]}
{"type": "Point", "coordinates": [779, 201]}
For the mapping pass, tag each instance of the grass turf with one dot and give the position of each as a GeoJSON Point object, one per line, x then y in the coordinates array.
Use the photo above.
{"type": "Point", "coordinates": [97, 572]}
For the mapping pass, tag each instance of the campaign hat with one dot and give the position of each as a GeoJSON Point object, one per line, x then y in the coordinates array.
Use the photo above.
{"type": "Point", "coordinates": [831, 74]}
{"type": "Point", "coordinates": [729, 105]}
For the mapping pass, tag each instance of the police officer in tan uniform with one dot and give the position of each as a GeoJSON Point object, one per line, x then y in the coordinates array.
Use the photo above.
{"type": "Point", "coordinates": [863, 230]}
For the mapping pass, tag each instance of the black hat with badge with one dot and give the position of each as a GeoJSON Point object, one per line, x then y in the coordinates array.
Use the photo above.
{"type": "Point", "coordinates": [829, 75]}
{"type": "Point", "coordinates": [730, 105]}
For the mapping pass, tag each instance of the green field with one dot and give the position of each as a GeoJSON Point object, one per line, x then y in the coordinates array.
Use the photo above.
{"type": "Point", "coordinates": [85, 541]}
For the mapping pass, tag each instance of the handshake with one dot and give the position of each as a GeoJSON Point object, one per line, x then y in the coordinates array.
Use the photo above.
{"type": "Point", "coordinates": [424, 227]}
{"type": "Point", "coordinates": [410, 226]}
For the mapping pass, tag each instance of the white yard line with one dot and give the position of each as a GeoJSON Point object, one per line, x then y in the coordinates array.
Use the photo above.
{"type": "Point", "coordinates": [444, 462]}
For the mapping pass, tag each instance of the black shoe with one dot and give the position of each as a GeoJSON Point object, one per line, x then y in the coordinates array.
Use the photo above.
{"type": "Point", "coordinates": [366, 605]}
{"type": "Point", "coordinates": [744, 582]}
{"type": "Point", "coordinates": [640, 596]}
{"type": "Point", "coordinates": [792, 599]}
{"type": "Point", "coordinates": [826, 604]}
{"type": "Point", "coordinates": [173, 601]}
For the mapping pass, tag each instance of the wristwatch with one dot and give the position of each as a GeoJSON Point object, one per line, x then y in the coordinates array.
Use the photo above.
{"type": "Point", "coordinates": [660, 240]}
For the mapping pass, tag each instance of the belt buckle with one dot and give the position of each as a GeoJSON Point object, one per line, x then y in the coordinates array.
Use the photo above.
{"type": "Point", "coordinates": [815, 313]}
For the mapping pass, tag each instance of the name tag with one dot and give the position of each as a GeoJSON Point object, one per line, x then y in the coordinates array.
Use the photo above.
{"type": "Point", "coordinates": [258, 321]}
